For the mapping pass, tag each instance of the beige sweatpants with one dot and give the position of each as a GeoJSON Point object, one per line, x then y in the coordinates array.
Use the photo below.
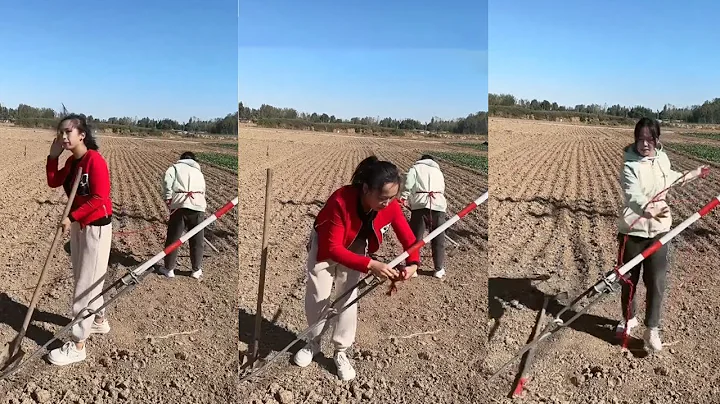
{"type": "Point", "coordinates": [90, 253]}
{"type": "Point", "coordinates": [320, 279]}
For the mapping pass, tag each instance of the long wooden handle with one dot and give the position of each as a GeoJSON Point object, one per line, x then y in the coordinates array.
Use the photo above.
{"type": "Point", "coordinates": [38, 287]}
{"type": "Point", "coordinates": [525, 366]}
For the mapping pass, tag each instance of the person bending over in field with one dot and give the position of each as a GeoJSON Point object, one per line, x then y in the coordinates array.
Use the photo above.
{"type": "Point", "coordinates": [90, 226]}
{"type": "Point", "coordinates": [645, 173]}
{"type": "Point", "coordinates": [347, 229]}
{"type": "Point", "coordinates": [424, 194]}
{"type": "Point", "coordinates": [183, 189]}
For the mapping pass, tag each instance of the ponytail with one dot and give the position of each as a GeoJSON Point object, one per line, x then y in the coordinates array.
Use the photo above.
{"type": "Point", "coordinates": [375, 174]}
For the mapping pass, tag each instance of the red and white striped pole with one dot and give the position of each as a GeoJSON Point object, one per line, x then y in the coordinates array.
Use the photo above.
{"type": "Point", "coordinates": [615, 275]}
{"type": "Point", "coordinates": [420, 243]}
{"type": "Point", "coordinates": [185, 237]}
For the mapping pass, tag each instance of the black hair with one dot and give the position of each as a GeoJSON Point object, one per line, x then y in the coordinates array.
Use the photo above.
{"type": "Point", "coordinates": [652, 126]}
{"type": "Point", "coordinates": [427, 157]}
{"type": "Point", "coordinates": [80, 122]}
{"type": "Point", "coordinates": [375, 174]}
{"type": "Point", "coordinates": [187, 155]}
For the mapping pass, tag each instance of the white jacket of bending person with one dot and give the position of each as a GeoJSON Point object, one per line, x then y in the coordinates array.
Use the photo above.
{"type": "Point", "coordinates": [184, 186]}
{"type": "Point", "coordinates": [422, 178]}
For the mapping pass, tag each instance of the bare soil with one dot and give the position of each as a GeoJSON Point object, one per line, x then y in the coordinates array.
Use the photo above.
{"type": "Point", "coordinates": [137, 362]}
{"type": "Point", "coordinates": [440, 367]}
{"type": "Point", "coordinates": [554, 201]}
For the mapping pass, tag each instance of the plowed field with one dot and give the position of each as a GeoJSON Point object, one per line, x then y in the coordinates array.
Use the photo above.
{"type": "Point", "coordinates": [439, 367]}
{"type": "Point", "coordinates": [138, 361]}
{"type": "Point", "coordinates": [554, 200]}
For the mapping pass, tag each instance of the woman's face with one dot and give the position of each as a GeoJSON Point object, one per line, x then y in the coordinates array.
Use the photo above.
{"type": "Point", "coordinates": [380, 199]}
{"type": "Point", "coordinates": [69, 135]}
{"type": "Point", "coordinates": [645, 144]}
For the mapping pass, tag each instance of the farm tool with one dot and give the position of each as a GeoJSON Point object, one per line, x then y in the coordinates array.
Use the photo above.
{"type": "Point", "coordinates": [12, 352]}
{"type": "Point", "coordinates": [123, 285]}
{"type": "Point", "coordinates": [607, 285]}
{"type": "Point", "coordinates": [364, 286]}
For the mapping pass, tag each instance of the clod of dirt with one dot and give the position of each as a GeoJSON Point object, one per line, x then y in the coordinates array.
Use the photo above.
{"type": "Point", "coordinates": [285, 397]}
{"type": "Point", "coordinates": [41, 396]}
{"type": "Point", "coordinates": [424, 356]}
{"type": "Point", "coordinates": [661, 370]}
{"type": "Point", "coordinates": [181, 356]}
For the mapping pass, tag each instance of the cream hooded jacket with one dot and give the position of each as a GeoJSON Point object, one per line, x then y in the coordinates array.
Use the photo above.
{"type": "Point", "coordinates": [641, 179]}
{"type": "Point", "coordinates": [425, 176]}
{"type": "Point", "coordinates": [183, 177]}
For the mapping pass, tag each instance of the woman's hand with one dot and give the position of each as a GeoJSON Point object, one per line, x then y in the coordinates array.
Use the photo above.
{"type": "Point", "coordinates": [410, 271]}
{"type": "Point", "coordinates": [704, 171]}
{"type": "Point", "coordinates": [382, 270]}
{"type": "Point", "coordinates": [653, 213]}
{"type": "Point", "coordinates": [56, 148]}
{"type": "Point", "coordinates": [65, 224]}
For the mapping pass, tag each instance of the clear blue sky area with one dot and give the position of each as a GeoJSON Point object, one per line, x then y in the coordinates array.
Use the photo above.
{"type": "Point", "coordinates": [647, 53]}
{"type": "Point", "coordinates": [401, 59]}
{"type": "Point", "coordinates": [160, 58]}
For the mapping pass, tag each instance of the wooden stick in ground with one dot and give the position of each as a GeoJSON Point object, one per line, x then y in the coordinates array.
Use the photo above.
{"type": "Point", "coordinates": [16, 343]}
{"type": "Point", "coordinates": [263, 265]}
{"type": "Point", "coordinates": [525, 365]}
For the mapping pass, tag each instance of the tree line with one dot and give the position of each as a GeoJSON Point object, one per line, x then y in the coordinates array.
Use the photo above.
{"type": "Point", "coordinates": [29, 116]}
{"type": "Point", "coordinates": [509, 106]}
{"type": "Point", "coordinates": [290, 118]}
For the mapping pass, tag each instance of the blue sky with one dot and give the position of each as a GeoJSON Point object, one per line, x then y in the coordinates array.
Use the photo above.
{"type": "Point", "coordinates": [627, 52]}
{"type": "Point", "coordinates": [159, 58]}
{"type": "Point", "coordinates": [404, 59]}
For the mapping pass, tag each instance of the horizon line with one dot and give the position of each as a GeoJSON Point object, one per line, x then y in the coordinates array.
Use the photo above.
{"type": "Point", "coordinates": [136, 117]}
{"type": "Point", "coordinates": [358, 116]}
{"type": "Point", "coordinates": [605, 103]}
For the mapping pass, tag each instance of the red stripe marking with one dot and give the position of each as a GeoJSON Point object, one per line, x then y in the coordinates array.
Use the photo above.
{"type": "Point", "coordinates": [651, 250]}
{"type": "Point", "coordinates": [172, 246]}
{"type": "Point", "coordinates": [224, 209]}
{"type": "Point", "coordinates": [467, 210]}
{"type": "Point", "coordinates": [415, 247]}
{"type": "Point", "coordinates": [519, 388]}
{"type": "Point", "coordinates": [710, 206]}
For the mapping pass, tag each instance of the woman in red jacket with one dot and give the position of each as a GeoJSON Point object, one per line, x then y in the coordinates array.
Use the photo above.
{"type": "Point", "coordinates": [348, 228]}
{"type": "Point", "coordinates": [90, 227]}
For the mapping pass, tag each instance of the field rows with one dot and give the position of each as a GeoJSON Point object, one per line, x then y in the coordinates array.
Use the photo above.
{"type": "Point", "coordinates": [555, 214]}
{"type": "Point", "coordinates": [301, 184]}
{"type": "Point", "coordinates": [157, 306]}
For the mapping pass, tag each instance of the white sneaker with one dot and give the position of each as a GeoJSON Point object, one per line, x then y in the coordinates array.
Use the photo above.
{"type": "Point", "coordinates": [305, 356]}
{"type": "Point", "coordinates": [101, 328]}
{"type": "Point", "coordinates": [164, 271]}
{"type": "Point", "coordinates": [344, 368]}
{"type": "Point", "coordinates": [196, 274]}
{"type": "Point", "coordinates": [414, 275]}
{"type": "Point", "coordinates": [652, 339]}
{"type": "Point", "coordinates": [620, 330]}
{"type": "Point", "coordinates": [67, 354]}
{"type": "Point", "coordinates": [439, 273]}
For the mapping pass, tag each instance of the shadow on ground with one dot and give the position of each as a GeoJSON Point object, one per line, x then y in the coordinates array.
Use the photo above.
{"type": "Point", "coordinates": [273, 338]}
{"type": "Point", "coordinates": [526, 292]}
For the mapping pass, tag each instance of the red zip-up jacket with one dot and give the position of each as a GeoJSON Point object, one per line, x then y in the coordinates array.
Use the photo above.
{"type": "Point", "coordinates": [338, 224]}
{"type": "Point", "coordinates": [92, 199]}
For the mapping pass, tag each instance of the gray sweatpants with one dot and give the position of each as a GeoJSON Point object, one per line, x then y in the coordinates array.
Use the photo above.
{"type": "Point", "coordinates": [181, 220]}
{"type": "Point", "coordinates": [320, 279]}
{"type": "Point", "coordinates": [89, 253]}
{"type": "Point", "coordinates": [654, 272]}
{"type": "Point", "coordinates": [435, 219]}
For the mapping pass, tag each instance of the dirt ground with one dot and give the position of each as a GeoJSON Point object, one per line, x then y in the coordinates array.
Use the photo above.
{"type": "Point", "coordinates": [439, 367]}
{"type": "Point", "coordinates": [138, 361]}
{"type": "Point", "coordinates": [554, 200]}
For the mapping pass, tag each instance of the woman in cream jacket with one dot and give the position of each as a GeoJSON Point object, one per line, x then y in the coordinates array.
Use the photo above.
{"type": "Point", "coordinates": [645, 218]}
